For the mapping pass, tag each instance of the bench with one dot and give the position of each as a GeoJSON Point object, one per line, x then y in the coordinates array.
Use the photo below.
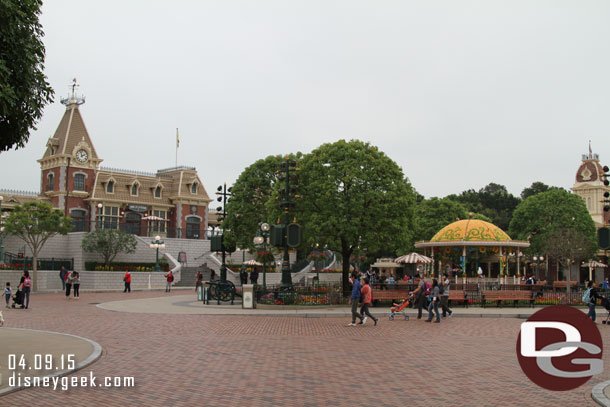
{"type": "Point", "coordinates": [458, 296]}
{"type": "Point", "coordinates": [563, 284]}
{"type": "Point", "coordinates": [390, 295]}
{"type": "Point", "coordinates": [506, 295]}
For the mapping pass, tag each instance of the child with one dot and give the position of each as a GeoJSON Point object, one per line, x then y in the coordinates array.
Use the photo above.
{"type": "Point", "coordinates": [7, 293]}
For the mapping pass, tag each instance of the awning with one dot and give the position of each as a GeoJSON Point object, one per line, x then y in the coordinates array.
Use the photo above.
{"type": "Point", "coordinates": [413, 258]}
{"type": "Point", "coordinates": [252, 263]}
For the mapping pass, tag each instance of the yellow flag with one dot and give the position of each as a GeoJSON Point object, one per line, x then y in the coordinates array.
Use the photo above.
{"type": "Point", "coordinates": [177, 139]}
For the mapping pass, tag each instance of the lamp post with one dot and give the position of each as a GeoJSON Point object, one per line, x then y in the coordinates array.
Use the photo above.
{"type": "Point", "coordinates": [157, 244]}
{"type": "Point", "coordinates": [1, 232]}
{"type": "Point", "coordinates": [99, 215]}
{"type": "Point", "coordinates": [261, 238]}
{"type": "Point", "coordinates": [538, 259]}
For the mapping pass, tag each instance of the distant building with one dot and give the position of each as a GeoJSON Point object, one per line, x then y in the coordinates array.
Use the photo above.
{"type": "Point", "coordinates": [590, 187]}
{"type": "Point", "coordinates": [171, 203]}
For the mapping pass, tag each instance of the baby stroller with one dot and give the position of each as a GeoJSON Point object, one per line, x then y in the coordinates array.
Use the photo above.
{"type": "Point", "coordinates": [606, 305]}
{"type": "Point", "coordinates": [399, 308]}
{"type": "Point", "coordinates": [18, 299]}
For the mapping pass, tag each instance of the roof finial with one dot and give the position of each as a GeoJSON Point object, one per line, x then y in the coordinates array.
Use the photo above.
{"type": "Point", "coordinates": [590, 151]}
{"type": "Point", "coordinates": [73, 99]}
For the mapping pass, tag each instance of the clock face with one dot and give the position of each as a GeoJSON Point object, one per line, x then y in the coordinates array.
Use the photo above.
{"type": "Point", "coordinates": [81, 156]}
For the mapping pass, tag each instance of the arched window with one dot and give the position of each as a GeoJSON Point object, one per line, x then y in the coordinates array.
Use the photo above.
{"type": "Point", "coordinates": [589, 204]}
{"type": "Point", "coordinates": [193, 227]}
{"type": "Point", "coordinates": [194, 188]}
{"type": "Point", "coordinates": [110, 187]}
{"type": "Point", "coordinates": [79, 221]}
{"type": "Point", "coordinates": [134, 189]}
{"type": "Point", "coordinates": [79, 182]}
{"type": "Point", "coordinates": [51, 181]}
{"type": "Point", "coordinates": [158, 192]}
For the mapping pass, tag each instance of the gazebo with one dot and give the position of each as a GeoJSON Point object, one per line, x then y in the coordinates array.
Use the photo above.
{"type": "Point", "coordinates": [473, 235]}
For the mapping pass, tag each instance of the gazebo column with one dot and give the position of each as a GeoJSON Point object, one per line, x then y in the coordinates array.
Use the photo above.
{"type": "Point", "coordinates": [517, 255]}
{"type": "Point", "coordinates": [488, 269]}
{"type": "Point", "coordinates": [464, 263]}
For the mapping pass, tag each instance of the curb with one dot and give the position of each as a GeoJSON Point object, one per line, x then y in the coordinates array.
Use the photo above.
{"type": "Point", "coordinates": [95, 355]}
{"type": "Point", "coordinates": [598, 394]}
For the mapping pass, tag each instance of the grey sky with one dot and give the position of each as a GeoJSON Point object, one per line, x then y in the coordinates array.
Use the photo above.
{"type": "Point", "coordinates": [458, 93]}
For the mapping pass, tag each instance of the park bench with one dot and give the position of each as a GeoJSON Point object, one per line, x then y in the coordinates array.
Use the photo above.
{"type": "Point", "coordinates": [506, 295]}
{"type": "Point", "coordinates": [390, 295]}
{"type": "Point", "coordinates": [457, 296]}
{"type": "Point", "coordinates": [563, 284]}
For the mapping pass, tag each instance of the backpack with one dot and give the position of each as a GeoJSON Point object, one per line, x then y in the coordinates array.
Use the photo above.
{"type": "Point", "coordinates": [170, 278]}
{"type": "Point", "coordinates": [27, 282]}
{"type": "Point", "coordinates": [428, 286]}
{"type": "Point", "coordinates": [587, 297]}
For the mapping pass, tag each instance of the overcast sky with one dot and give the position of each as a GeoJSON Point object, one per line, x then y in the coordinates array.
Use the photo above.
{"type": "Point", "coordinates": [458, 93]}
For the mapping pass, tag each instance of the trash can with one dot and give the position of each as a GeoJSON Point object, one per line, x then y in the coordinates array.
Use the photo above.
{"type": "Point", "coordinates": [248, 296]}
{"type": "Point", "coordinates": [199, 292]}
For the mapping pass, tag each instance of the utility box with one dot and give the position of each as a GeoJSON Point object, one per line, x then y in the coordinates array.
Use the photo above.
{"type": "Point", "coordinates": [248, 299]}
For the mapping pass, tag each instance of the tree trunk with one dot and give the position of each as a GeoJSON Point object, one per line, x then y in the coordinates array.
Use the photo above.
{"type": "Point", "coordinates": [34, 272]}
{"type": "Point", "coordinates": [346, 252]}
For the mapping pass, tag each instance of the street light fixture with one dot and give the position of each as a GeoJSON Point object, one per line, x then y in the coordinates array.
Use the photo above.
{"type": "Point", "coordinates": [99, 215]}
{"type": "Point", "coordinates": [157, 244]}
{"type": "Point", "coordinates": [538, 259]}
{"type": "Point", "coordinates": [261, 238]}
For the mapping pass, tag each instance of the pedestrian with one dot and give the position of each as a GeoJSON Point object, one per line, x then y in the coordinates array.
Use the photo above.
{"type": "Point", "coordinates": [198, 279]}
{"type": "Point", "coordinates": [434, 303]}
{"type": "Point", "coordinates": [606, 284]}
{"type": "Point", "coordinates": [212, 275]}
{"type": "Point", "coordinates": [367, 295]}
{"type": "Point", "coordinates": [127, 280]}
{"type": "Point", "coordinates": [26, 286]}
{"type": "Point", "coordinates": [76, 284]}
{"type": "Point", "coordinates": [68, 282]}
{"type": "Point", "coordinates": [254, 276]}
{"type": "Point", "coordinates": [591, 296]}
{"type": "Point", "coordinates": [8, 292]}
{"type": "Point", "coordinates": [354, 298]}
{"type": "Point", "coordinates": [420, 294]}
{"type": "Point", "coordinates": [445, 296]}
{"type": "Point", "coordinates": [243, 275]}
{"type": "Point", "coordinates": [62, 276]}
{"type": "Point", "coordinates": [170, 279]}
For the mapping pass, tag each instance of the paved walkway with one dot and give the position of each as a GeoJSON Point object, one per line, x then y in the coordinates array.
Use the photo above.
{"type": "Point", "coordinates": [182, 353]}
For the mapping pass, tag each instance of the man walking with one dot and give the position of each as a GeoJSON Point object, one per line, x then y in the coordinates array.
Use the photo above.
{"type": "Point", "coordinates": [420, 294]}
{"type": "Point", "coordinates": [445, 296]}
{"type": "Point", "coordinates": [367, 299]}
{"type": "Point", "coordinates": [354, 298]}
{"type": "Point", "coordinates": [62, 276]}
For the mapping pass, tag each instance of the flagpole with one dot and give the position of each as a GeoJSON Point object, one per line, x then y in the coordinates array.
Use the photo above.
{"type": "Point", "coordinates": [177, 144]}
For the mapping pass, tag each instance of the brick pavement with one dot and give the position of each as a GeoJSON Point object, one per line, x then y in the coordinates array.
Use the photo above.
{"type": "Point", "coordinates": [193, 360]}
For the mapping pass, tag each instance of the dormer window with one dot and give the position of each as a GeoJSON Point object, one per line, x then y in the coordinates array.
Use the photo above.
{"type": "Point", "coordinates": [158, 192]}
{"type": "Point", "coordinates": [134, 189]}
{"type": "Point", "coordinates": [194, 188]}
{"type": "Point", "coordinates": [110, 187]}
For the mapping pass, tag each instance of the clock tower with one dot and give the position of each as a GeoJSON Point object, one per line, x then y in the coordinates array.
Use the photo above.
{"type": "Point", "coordinates": [70, 162]}
{"type": "Point", "coordinates": [590, 187]}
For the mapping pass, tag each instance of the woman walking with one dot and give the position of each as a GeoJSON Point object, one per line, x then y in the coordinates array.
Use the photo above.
{"type": "Point", "coordinates": [434, 304]}
{"type": "Point", "coordinates": [76, 284]}
{"type": "Point", "coordinates": [367, 295]}
{"type": "Point", "coordinates": [593, 297]}
{"type": "Point", "coordinates": [68, 279]}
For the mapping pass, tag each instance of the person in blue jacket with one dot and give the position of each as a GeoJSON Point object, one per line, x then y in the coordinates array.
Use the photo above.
{"type": "Point", "coordinates": [354, 298]}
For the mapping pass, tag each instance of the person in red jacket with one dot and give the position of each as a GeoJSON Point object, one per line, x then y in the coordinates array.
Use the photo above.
{"type": "Point", "coordinates": [127, 280]}
{"type": "Point", "coordinates": [367, 295]}
{"type": "Point", "coordinates": [170, 279]}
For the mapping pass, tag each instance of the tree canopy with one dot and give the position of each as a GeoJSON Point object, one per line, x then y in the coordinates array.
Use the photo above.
{"type": "Point", "coordinates": [431, 215]}
{"type": "Point", "coordinates": [109, 243]}
{"type": "Point", "coordinates": [24, 90]}
{"type": "Point", "coordinates": [35, 223]}
{"type": "Point", "coordinates": [354, 195]}
{"type": "Point", "coordinates": [536, 188]}
{"type": "Point", "coordinates": [540, 216]}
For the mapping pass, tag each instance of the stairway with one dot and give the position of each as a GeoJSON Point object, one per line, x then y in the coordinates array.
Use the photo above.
{"type": "Point", "coordinates": [188, 275]}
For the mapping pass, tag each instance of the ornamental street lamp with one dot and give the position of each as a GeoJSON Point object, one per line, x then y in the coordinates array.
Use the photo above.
{"type": "Point", "coordinates": [99, 215]}
{"type": "Point", "coordinates": [1, 232]}
{"type": "Point", "coordinates": [261, 238]}
{"type": "Point", "coordinates": [538, 259]}
{"type": "Point", "coordinates": [157, 244]}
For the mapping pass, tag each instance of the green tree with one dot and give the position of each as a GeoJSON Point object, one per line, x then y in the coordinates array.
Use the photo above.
{"type": "Point", "coordinates": [431, 215]}
{"type": "Point", "coordinates": [248, 206]}
{"type": "Point", "coordinates": [567, 245]}
{"type": "Point", "coordinates": [354, 195]}
{"type": "Point", "coordinates": [24, 90]}
{"type": "Point", "coordinates": [540, 216]}
{"type": "Point", "coordinates": [493, 201]}
{"type": "Point", "coordinates": [536, 188]}
{"type": "Point", "coordinates": [35, 223]}
{"type": "Point", "coordinates": [109, 243]}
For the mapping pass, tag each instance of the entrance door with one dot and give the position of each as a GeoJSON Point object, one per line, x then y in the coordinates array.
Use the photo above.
{"type": "Point", "coordinates": [132, 223]}
{"type": "Point", "coordinates": [192, 227]}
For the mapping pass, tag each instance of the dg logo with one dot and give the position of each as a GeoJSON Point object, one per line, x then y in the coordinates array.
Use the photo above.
{"type": "Point", "coordinates": [559, 348]}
